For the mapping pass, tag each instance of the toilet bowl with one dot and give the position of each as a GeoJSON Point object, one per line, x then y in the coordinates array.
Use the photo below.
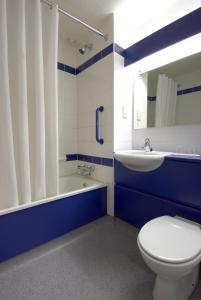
{"type": "Point", "coordinates": [171, 247]}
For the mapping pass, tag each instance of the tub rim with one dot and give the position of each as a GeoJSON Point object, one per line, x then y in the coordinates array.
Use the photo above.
{"type": "Point", "coordinates": [54, 198]}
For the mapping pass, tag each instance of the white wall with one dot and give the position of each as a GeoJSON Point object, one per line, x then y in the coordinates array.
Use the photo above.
{"type": "Point", "coordinates": [122, 105]}
{"type": "Point", "coordinates": [79, 96]}
{"type": "Point", "coordinates": [95, 88]}
{"type": "Point", "coordinates": [67, 91]}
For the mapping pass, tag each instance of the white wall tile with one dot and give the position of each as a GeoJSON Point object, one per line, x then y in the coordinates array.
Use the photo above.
{"type": "Point", "coordinates": [67, 168]}
{"type": "Point", "coordinates": [106, 174]}
{"type": "Point", "coordinates": [79, 97]}
{"type": "Point", "coordinates": [66, 53]}
{"type": "Point", "coordinates": [95, 89]}
{"type": "Point", "coordinates": [183, 139]}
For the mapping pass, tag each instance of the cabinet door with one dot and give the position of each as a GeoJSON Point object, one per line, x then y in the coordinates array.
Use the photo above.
{"type": "Point", "coordinates": [138, 208]}
{"type": "Point", "coordinates": [174, 180]}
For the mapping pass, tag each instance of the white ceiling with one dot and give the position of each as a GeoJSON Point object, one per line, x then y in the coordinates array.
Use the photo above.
{"type": "Point", "coordinates": [94, 12]}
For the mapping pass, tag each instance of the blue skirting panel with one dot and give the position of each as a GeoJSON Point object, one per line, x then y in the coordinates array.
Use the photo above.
{"type": "Point", "coordinates": [22, 230]}
{"type": "Point", "coordinates": [138, 208]}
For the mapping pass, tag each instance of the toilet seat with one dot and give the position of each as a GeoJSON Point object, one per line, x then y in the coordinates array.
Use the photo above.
{"type": "Point", "coordinates": [170, 240]}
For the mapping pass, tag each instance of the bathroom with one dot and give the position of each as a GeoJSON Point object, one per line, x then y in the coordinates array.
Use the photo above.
{"type": "Point", "coordinates": [95, 164]}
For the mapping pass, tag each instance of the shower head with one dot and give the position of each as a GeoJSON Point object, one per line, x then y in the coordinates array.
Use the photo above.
{"type": "Point", "coordinates": [82, 50]}
{"type": "Point", "coordinates": [85, 47]}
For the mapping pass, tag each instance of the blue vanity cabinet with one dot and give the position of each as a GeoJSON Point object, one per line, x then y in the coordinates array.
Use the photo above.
{"type": "Point", "coordinates": [172, 189]}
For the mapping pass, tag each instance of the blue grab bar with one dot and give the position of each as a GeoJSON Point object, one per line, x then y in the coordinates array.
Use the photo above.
{"type": "Point", "coordinates": [98, 138]}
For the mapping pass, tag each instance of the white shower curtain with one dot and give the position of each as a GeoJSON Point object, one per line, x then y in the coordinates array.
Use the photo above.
{"type": "Point", "coordinates": [28, 101]}
{"type": "Point", "coordinates": [166, 101]}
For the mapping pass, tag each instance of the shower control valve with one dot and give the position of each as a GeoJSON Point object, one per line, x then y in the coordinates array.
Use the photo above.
{"type": "Point", "coordinates": [85, 169]}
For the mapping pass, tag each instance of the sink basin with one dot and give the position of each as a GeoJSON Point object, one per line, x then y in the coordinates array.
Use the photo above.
{"type": "Point", "coordinates": [141, 161]}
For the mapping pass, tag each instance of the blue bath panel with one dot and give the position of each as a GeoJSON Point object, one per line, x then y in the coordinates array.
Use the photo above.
{"type": "Point", "coordinates": [25, 229]}
{"type": "Point", "coordinates": [138, 208]}
{"type": "Point", "coordinates": [176, 180]}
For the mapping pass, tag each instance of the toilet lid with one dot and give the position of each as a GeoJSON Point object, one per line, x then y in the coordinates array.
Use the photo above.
{"type": "Point", "coordinates": [170, 239]}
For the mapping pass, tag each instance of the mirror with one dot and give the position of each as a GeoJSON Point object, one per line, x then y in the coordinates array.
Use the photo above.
{"type": "Point", "coordinates": [169, 95]}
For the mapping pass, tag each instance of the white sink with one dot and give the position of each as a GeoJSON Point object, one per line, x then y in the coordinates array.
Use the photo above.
{"type": "Point", "coordinates": [141, 160]}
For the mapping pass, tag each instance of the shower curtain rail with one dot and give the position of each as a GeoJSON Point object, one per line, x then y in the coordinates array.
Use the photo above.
{"type": "Point", "coordinates": [77, 20]}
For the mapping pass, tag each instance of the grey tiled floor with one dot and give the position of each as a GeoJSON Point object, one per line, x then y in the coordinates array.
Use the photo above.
{"type": "Point", "coordinates": [99, 261]}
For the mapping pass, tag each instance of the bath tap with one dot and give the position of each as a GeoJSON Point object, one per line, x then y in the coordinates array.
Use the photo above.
{"type": "Point", "coordinates": [147, 145]}
{"type": "Point", "coordinates": [85, 169]}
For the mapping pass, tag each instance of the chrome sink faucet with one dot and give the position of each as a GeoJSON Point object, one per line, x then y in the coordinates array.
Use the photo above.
{"type": "Point", "coordinates": [147, 145]}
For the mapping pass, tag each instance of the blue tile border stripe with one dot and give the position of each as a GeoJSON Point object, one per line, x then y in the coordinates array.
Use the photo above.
{"type": "Point", "coordinates": [175, 32]}
{"type": "Point", "coordinates": [119, 50]}
{"type": "Point", "coordinates": [91, 159]}
{"type": "Point", "coordinates": [182, 28]}
{"type": "Point", "coordinates": [189, 90]}
{"type": "Point", "coordinates": [98, 56]}
{"type": "Point", "coordinates": [150, 98]}
{"type": "Point", "coordinates": [70, 157]}
{"type": "Point", "coordinates": [180, 92]}
{"type": "Point", "coordinates": [66, 68]}
{"type": "Point", "coordinates": [94, 59]}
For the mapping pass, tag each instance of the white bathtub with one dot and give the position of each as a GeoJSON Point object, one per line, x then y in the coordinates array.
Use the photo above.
{"type": "Point", "coordinates": [78, 183]}
{"type": "Point", "coordinates": [68, 186]}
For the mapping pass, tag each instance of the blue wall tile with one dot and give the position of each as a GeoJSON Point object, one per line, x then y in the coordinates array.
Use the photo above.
{"type": "Point", "coordinates": [70, 70]}
{"type": "Point", "coordinates": [94, 59]}
{"type": "Point", "coordinates": [61, 66]}
{"type": "Point", "coordinates": [106, 51]}
{"type": "Point", "coordinates": [66, 68]}
{"type": "Point", "coordinates": [187, 91]}
{"type": "Point", "coordinates": [70, 157]}
{"type": "Point", "coordinates": [196, 88]}
{"type": "Point", "coordinates": [179, 93]}
{"type": "Point", "coordinates": [96, 160]}
{"type": "Point", "coordinates": [150, 98]}
{"type": "Point", "coordinates": [91, 159]}
{"type": "Point", "coordinates": [118, 49]}
{"type": "Point", "coordinates": [107, 162]}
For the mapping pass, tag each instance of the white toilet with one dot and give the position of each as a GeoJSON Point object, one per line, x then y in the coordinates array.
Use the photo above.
{"type": "Point", "coordinates": [171, 247]}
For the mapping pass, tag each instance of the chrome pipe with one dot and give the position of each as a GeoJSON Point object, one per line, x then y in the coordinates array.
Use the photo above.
{"type": "Point", "coordinates": [77, 20]}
